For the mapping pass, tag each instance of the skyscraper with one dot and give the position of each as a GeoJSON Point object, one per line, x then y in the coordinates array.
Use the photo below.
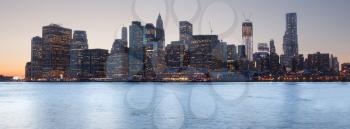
{"type": "Point", "coordinates": [274, 59]}
{"type": "Point", "coordinates": [160, 34]}
{"type": "Point", "coordinates": [36, 58]}
{"type": "Point", "coordinates": [290, 40]}
{"type": "Point", "coordinates": [201, 52]}
{"type": "Point", "coordinates": [94, 64]}
{"type": "Point", "coordinates": [272, 46]}
{"type": "Point", "coordinates": [247, 38]}
{"type": "Point", "coordinates": [79, 43]}
{"type": "Point", "coordinates": [186, 31]}
{"type": "Point", "coordinates": [56, 47]}
{"type": "Point", "coordinates": [117, 62]}
{"type": "Point", "coordinates": [136, 51]}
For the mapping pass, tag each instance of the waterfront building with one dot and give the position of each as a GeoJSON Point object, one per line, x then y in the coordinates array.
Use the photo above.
{"type": "Point", "coordinates": [78, 44]}
{"type": "Point", "coordinates": [318, 63]}
{"type": "Point", "coordinates": [36, 58]}
{"type": "Point", "coordinates": [345, 70]}
{"type": "Point", "coordinates": [136, 51]}
{"type": "Point", "coordinates": [94, 64]}
{"type": "Point", "coordinates": [56, 46]}
{"type": "Point", "coordinates": [201, 52]}
{"type": "Point", "coordinates": [117, 62]}
{"type": "Point", "coordinates": [28, 71]}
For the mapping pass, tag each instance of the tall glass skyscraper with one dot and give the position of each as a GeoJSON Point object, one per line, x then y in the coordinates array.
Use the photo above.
{"type": "Point", "coordinates": [290, 40]}
{"type": "Point", "coordinates": [79, 43]}
{"type": "Point", "coordinates": [247, 38]}
{"type": "Point", "coordinates": [136, 55]}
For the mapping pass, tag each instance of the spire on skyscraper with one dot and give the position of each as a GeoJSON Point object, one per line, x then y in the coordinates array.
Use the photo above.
{"type": "Point", "coordinates": [159, 22]}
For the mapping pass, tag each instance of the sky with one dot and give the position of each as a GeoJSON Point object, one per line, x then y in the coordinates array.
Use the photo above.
{"type": "Point", "coordinates": [322, 24]}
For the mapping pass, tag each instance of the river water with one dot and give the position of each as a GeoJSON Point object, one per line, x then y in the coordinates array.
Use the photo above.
{"type": "Point", "coordinates": [174, 105]}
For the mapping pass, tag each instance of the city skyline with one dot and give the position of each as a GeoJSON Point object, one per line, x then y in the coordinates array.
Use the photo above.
{"type": "Point", "coordinates": [63, 55]}
{"type": "Point", "coordinates": [18, 52]}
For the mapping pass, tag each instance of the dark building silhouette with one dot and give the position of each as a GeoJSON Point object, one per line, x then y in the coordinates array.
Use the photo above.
{"type": "Point", "coordinates": [28, 71]}
{"type": "Point", "coordinates": [242, 52]}
{"type": "Point", "coordinates": [5, 78]}
{"type": "Point", "coordinates": [56, 48]}
{"type": "Point", "coordinates": [272, 46]}
{"type": "Point", "coordinates": [94, 64]}
{"type": "Point", "coordinates": [345, 70]}
{"type": "Point", "coordinates": [318, 63]}
{"type": "Point", "coordinates": [36, 59]}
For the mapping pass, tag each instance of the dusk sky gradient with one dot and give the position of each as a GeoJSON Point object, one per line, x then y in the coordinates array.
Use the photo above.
{"type": "Point", "coordinates": [323, 25]}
